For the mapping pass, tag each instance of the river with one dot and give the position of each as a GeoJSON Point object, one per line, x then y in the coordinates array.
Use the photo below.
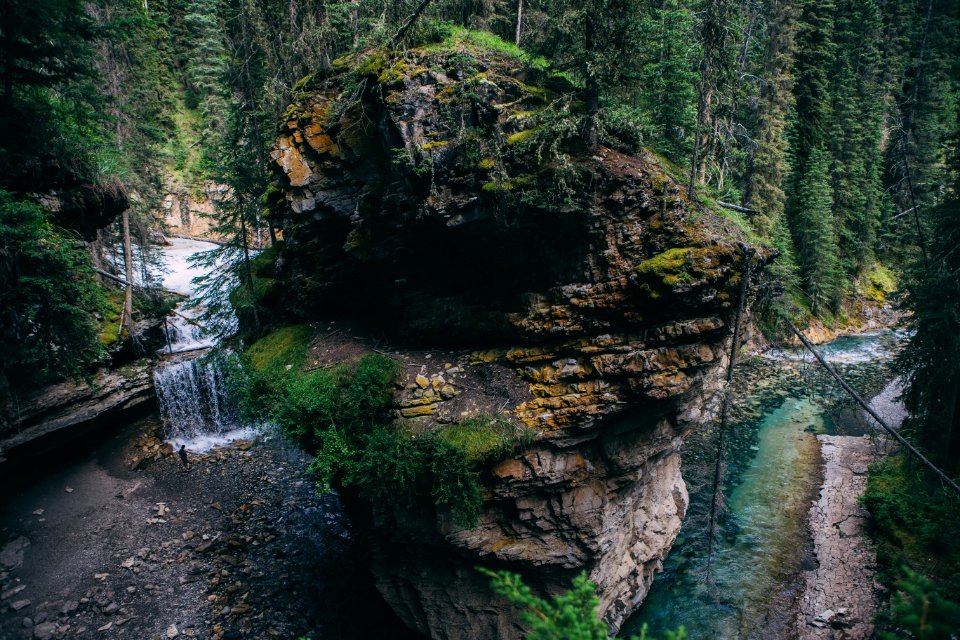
{"type": "Point", "coordinates": [782, 401]}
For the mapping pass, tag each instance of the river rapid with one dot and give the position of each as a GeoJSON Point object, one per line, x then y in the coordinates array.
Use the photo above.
{"type": "Point", "coordinates": [748, 587]}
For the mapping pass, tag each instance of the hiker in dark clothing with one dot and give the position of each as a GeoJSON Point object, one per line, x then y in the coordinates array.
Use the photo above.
{"type": "Point", "coordinates": [183, 456]}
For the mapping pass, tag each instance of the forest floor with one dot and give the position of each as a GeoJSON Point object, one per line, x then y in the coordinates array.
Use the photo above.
{"type": "Point", "coordinates": [124, 542]}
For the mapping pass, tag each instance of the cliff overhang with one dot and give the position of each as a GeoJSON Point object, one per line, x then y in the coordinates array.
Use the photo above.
{"type": "Point", "coordinates": [437, 198]}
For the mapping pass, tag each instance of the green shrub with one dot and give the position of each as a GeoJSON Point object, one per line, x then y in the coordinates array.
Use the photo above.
{"type": "Point", "coordinates": [571, 615]}
{"type": "Point", "coordinates": [388, 470]}
{"type": "Point", "coordinates": [343, 415]}
{"type": "Point", "coordinates": [920, 609]}
{"type": "Point", "coordinates": [48, 297]}
{"type": "Point", "coordinates": [456, 484]}
{"type": "Point", "coordinates": [915, 529]}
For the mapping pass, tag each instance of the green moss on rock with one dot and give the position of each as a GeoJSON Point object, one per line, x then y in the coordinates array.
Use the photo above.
{"type": "Point", "coordinates": [484, 438]}
{"type": "Point", "coordinates": [522, 136]}
{"type": "Point", "coordinates": [682, 265]}
{"type": "Point", "coordinates": [284, 347]}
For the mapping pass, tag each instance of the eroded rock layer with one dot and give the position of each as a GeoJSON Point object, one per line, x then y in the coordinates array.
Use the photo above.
{"type": "Point", "coordinates": [592, 301]}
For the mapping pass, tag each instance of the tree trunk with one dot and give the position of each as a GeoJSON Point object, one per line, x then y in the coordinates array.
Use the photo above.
{"type": "Point", "coordinates": [248, 269]}
{"type": "Point", "coordinates": [354, 26]}
{"type": "Point", "coordinates": [593, 91]}
{"type": "Point", "coordinates": [409, 23]}
{"type": "Point", "coordinates": [128, 271]}
{"type": "Point", "coordinates": [519, 21]}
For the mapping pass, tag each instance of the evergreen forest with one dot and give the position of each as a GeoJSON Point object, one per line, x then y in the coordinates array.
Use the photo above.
{"type": "Point", "coordinates": [823, 133]}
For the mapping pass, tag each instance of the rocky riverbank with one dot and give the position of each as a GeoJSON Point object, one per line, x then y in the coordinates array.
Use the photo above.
{"type": "Point", "coordinates": [840, 595]}
{"type": "Point", "coordinates": [124, 542]}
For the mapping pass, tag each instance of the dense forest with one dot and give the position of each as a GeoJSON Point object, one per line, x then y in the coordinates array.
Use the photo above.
{"type": "Point", "coordinates": [827, 129]}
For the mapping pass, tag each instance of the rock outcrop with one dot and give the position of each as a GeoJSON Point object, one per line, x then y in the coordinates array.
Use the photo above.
{"type": "Point", "coordinates": [428, 197]}
{"type": "Point", "coordinates": [67, 410]}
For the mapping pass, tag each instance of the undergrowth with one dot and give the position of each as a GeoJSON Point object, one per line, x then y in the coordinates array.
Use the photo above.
{"type": "Point", "coordinates": [571, 615]}
{"type": "Point", "coordinates": [915, 528]}
{"type": "Point", "coordinates": [343, 415]}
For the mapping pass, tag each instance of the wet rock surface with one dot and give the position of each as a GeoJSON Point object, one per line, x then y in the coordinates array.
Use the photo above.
{"type": "Point", "coordinates": [56, 410]}
{"type": "Point", "coordinates": [236, 545]}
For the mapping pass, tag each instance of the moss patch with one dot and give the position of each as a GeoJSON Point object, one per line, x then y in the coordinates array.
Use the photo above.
{"type": "Point", "coordinates": [110, 323]}
{"type": "Point", "coordinates": [284, 347]}
{"type": "Point", "coordinates": [878, 283]}
{"type": "Point", "coordinates": [510, 184]}
{"type": "Point", "coordinates": [522, 136]}
{"type": "Point", "coordinates": [435, 144]}
{"type": "Point", "coordinates": [682, 265]}
{"type": "Point", "coordinates": [484, 438]}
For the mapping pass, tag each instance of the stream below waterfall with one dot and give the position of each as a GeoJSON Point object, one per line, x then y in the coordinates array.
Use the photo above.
{"type": "Point", "coordinates": [762, 543]}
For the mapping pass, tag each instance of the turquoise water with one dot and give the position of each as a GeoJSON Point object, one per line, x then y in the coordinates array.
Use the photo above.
{"type": "Point", "coordinates": [761, 542]}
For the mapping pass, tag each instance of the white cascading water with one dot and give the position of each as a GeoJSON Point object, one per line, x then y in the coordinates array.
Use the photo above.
{"type": "Point", "coordinates": [190, 388]}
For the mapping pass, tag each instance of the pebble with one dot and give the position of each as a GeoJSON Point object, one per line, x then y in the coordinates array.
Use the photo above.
{"type": "Point", "coordinates": [27, 622]}
{"type": "Point", "coordinates": [17, 605]}
{"type": "Point", "coordinates": [44, 631]}
{"type": "Point", "coordinates": [111, 608]}
{"type": "Point", "coordinates": [12, 591]}
{"type": "Point", "coordinates": [172, 631]}
{"type": "Point", "coordinates": [68, 489]}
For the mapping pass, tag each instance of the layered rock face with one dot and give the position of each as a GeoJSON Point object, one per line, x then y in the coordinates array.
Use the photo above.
{"type": "Point", "coordinates": [586, 296]}
{"type": "Point", "coordinates": [67, 410]}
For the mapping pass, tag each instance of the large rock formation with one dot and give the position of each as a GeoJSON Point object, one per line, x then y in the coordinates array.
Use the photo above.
{"type": "Point", "coordinates": [59, 413]}
{"type": "Point", "coordinates": [583, 293]}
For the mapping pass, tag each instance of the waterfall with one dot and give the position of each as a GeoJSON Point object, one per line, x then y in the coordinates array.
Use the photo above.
{"type": "Point", "coordinates": [193, 400]}
{"type": "Point", "coordinates": [191, 388]}
{"type": "Point", "coordinates": [185, 334]}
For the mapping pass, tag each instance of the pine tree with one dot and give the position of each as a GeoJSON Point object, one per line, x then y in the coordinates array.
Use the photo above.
{"type": "Point", "coordinates": [665, 85]}
{"type": "Point", "coordinates": [931, 360]}
{"type": "Point", "coordinates": [809, 191]}
{"type": "Point", "coordinates": [715, 84]}
{"type": "Point", "coordinates": [597, 41]}
{"type": "Point", "coordinates": [814, 233]}
{"type": "Point", "coordinates": [48, 102]}
{"type": "Point", "coordinates": [855, 131]}
{"type": "Point", "coordinates": [767, 173]}
{"type": "Point", "coordinates": [206, 68]}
